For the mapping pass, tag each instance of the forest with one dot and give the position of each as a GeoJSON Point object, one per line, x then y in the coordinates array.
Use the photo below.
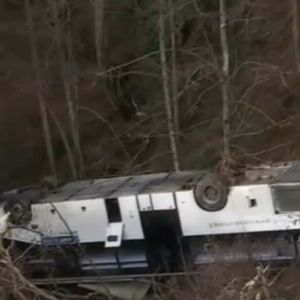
{"type": "Point", "coordinates": [96, 88]}
{"type": "Point", "coordinates": [99, 88]}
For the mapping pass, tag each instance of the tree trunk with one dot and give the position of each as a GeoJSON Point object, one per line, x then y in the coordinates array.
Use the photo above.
{"type": "Point", "coordinates": [39, 89]}
{"type": "Point", "coordinates": [225, 81]}
{"type": "Point", "coordinates": [174, 71]}
{"type": "Point", "coordinates": [64, 44]}
{"type": "Point", "coordinates": [98, 24]}
{"type": "Point", "coordinates": [164, 70]}
{"type": "Point", "coordinates": [295, 30]}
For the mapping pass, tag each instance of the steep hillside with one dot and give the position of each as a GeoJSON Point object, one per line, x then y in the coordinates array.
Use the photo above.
{"type": "Point", "coordinates": [118, 95]}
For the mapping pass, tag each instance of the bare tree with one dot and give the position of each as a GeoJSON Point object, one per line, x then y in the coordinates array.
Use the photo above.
{"type": "Point", "coordinates": [174, 71]}
{"type": "Point", "coordinates": [64, 45]}
{"type": "Point", "coordinates": [225, 82]}
{"type": "Point", "coordinates": [39, 88]}
{"type": "Point", "coordinates": [72, 103]}
{"type": "Point", "coordinates": [295, 29]}
{"type": "Point", "coordinates": [65, 141]}
{"type": "Point", "coordinates": [164, 70]}
{"type": "Point", "coordinates": [98, 27]}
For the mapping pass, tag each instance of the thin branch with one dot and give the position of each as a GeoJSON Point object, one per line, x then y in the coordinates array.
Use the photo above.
{"type": "Point", "coordinates": [136, 156]}
{"type": "Point", "coordinates": [280, 124]}
{"type": "Point", "coordinates": [110, 128]}
{"type": "Point", "coordinates": [126, 64]}
{"type": "Point", "coordinates": [200, 97]}
{"type": "Point", "coordinates": [273, 148]}
{"type": "Point", "coordinates": [152, 158]}
{"type": "Point", "coordinates": [140, 58]}
{"type": "Point", "coordinates": [17, 285]}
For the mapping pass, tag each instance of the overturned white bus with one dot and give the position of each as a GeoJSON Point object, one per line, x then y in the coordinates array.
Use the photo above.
{"type": "Point", "coordinates": [156, 222]}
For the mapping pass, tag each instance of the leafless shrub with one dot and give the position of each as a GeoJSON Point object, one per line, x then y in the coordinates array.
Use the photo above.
{"type": "Point", "coordinates": [220, 281]}
{"type": "Point", "coordinates": [240, 281]}
{"type": "Point", "coordinates": [13, 285]}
